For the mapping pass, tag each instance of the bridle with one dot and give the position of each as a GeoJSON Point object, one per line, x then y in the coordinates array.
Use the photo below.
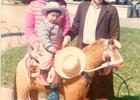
{"type": "Point", "coordinates": [108, 51]}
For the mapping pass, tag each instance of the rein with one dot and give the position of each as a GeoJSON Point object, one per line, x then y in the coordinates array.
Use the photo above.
{"type": "Point", "coordinates": [107, 64]}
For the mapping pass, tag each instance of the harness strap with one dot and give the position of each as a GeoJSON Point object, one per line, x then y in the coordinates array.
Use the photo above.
{"type": "Point", "coordinates": [86, 76]}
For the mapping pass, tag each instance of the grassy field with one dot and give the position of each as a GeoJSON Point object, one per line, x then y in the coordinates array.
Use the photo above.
{"type": "Point", "coordinates": [126, 80]}
{"type": "Point", "coordinates": [130, 73]}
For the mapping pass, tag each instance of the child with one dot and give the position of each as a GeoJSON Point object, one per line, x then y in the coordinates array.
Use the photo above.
{"type": "Point", "coordinates": [51, 39]}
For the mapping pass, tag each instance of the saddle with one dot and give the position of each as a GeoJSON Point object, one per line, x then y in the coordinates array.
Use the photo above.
{"type": "Point", "coordinates": [46, 77]}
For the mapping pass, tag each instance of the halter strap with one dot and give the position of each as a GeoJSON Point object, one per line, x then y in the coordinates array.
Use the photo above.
{"type": "Point", "coordinates": [86, 76]}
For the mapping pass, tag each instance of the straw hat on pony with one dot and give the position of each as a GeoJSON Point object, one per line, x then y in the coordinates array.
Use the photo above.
{"type": "Point", "coordinates": [70, 62]}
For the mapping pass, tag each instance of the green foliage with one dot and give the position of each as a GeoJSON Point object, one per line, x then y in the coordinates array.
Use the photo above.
{"type": "Point", "coordinates": [9, 61]}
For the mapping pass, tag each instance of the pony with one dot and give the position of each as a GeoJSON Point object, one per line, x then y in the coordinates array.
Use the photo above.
{"type": "Point", "coordinates": [77, 87]}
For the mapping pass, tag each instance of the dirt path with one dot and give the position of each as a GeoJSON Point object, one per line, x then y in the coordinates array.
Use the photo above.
{"type": "Point", "coordinates": [5, 93]}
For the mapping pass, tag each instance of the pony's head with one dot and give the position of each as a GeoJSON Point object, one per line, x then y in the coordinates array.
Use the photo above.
{"type": "Point", "coordinates": [104, 52]}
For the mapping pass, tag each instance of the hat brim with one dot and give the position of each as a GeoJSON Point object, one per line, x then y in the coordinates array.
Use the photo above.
{"type": "Point", "coordinates": [59, 57]}
{"type": "Point", "coordinates": [59, 9]}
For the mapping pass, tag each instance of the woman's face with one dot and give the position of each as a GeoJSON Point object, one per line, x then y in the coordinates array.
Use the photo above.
{"type": "Point", "coordinates": [98, 2]}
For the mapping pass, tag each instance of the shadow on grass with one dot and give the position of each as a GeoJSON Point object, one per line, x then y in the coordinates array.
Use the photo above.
{"type": "Point", "coordinates": [128, 98]}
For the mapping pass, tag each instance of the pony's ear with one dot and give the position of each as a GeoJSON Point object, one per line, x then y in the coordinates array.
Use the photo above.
{"type": "Point", "coordinates": [111, 41]}
{"type": "Point", "coordinates": [117, 43]}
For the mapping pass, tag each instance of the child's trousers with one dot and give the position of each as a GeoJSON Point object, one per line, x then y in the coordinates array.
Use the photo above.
{"type": "Point", "coordinates": [54, 94]}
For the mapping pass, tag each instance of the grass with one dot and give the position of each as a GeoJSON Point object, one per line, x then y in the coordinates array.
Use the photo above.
{"type": "Point", "coordinates": [9, 61]}
{"type": "Point", "coordinates": [130, 72]}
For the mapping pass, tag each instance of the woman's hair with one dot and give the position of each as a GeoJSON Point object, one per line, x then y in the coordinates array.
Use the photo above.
{"type": "Point", "coordinates": [26, 1]}
{"type": "Point", "coordinates": [86, 0]}
{"type": "Point", "coordinates": [61, 2]}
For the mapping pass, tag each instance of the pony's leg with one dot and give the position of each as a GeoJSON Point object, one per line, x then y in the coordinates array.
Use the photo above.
{"type": "Point", "coordinates": [22, 95]}
{"type": "Point", "coordinates": [18, 94]}
{"type": "Point", "coordinates": [33, 94]}
{"type": "Point", "coordinates": [22, 91]}
{"type": "Point", "coordinates": [22, 82]}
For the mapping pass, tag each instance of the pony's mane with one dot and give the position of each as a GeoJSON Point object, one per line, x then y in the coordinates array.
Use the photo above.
{"type": "Point", "coordinates": [94, 53]}
{"type": "Point", "coordinates": [94, 45]}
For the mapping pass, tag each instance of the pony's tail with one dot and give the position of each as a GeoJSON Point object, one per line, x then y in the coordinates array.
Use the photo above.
{"type": "Point", "coordinates": [14, 95]}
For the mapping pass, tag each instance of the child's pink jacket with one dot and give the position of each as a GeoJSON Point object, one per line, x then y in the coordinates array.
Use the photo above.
{"type": "Point", "coordinates": [34, 16]}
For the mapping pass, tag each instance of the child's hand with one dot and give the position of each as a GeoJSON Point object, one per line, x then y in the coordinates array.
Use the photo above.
{"type": "Point", "coordinates": [65, 41]}
{"type": "Point", "coordinates": [54, 51]}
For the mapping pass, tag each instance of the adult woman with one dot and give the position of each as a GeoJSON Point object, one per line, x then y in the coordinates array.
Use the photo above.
{"type": "Point", "coordinates": [94, 20]}
{"type": "Point", "coordinates": [33, 18]}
